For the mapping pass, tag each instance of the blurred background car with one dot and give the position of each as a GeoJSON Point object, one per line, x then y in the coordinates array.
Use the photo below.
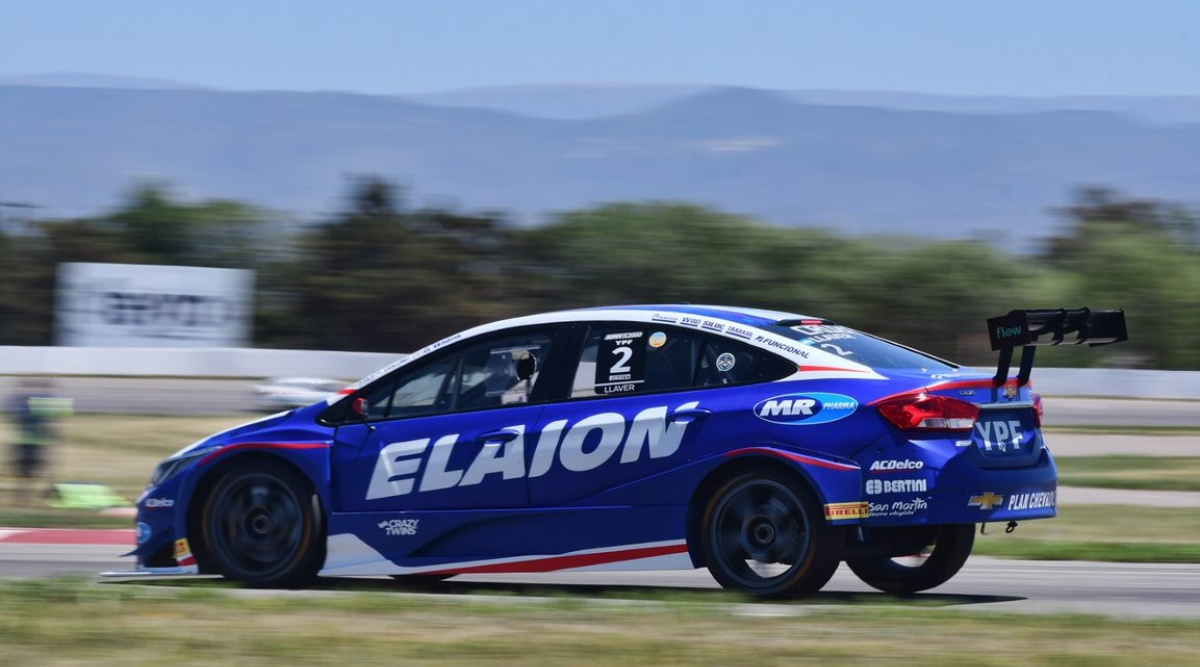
{"type": "Point", "coordinates": [285, 393]}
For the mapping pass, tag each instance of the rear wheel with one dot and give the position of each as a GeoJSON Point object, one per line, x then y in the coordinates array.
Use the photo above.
{"type": "Point", "coordinates": [940, 559]}
{"type": "Point", "coordinates": [764, 534]}
{"type": "Point", "coordinates": [263, 526]}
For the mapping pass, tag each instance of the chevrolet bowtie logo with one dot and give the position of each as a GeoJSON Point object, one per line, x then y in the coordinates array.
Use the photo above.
{"type": "Point", "coordinates": [985, 501]}
{"type": "Point", "coordinates": [1010, 392]}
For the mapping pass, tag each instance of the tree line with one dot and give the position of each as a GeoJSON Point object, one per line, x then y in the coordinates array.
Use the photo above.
{"type": "Point", "coordinates": [387, 277]}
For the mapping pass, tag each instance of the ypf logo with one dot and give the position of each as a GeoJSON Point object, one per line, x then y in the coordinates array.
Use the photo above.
{"type": "Point", "coordinates": [804, 409]}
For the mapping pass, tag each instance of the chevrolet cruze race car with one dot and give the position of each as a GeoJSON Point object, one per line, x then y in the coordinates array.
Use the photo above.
{"type": "Point", "coordinates": [765, 446]}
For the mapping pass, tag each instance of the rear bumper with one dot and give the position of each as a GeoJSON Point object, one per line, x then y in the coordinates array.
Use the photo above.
{"type": "Point", "coordinates": [956, 489]}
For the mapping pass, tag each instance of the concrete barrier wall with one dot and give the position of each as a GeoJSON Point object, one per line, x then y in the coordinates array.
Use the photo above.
{"type": "Point", "coordinates": [1112, 382]}
{"type": "Point", "coordinates": [252, 363]}
{"type": "Point", "coordinates": [189, 362]}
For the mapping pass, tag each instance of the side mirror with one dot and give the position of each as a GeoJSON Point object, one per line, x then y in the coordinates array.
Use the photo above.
{"type": "Point", "coordinates": [360, 407]}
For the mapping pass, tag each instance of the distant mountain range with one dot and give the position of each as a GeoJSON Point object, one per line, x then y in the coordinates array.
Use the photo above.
{"type": "Point", "coordinates": [856, 162]}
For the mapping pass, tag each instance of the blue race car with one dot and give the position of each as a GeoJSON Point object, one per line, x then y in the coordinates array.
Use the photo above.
{"type": "Point", "coordinates": [765, 446]}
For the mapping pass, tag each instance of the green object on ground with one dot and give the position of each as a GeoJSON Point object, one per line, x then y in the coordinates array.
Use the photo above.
{"type": "Point", "coordinates": [81, 495]}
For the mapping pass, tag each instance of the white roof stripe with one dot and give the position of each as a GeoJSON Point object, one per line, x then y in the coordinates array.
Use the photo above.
{"type": "Point", "coordinates": [832, 365]}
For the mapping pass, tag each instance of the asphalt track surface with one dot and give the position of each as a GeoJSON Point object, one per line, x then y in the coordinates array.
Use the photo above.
{"type": "Point", "coordinates": [985, 585]}
{"type": "Point", "coordinates": [174, 396]}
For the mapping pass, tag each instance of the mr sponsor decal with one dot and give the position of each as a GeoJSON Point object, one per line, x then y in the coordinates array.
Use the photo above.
{"type": "Point", "coordinates": [1031, 501]}
{"type": "Point", "coordinates": [876, 487]}
{"type": "Point", "coordinates": [608, 436]}
{"type": "Point", "coordinates": [805, 409]}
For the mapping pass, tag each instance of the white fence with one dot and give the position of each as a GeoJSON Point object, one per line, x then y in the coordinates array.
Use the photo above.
{"type": "Point", "coordinates": [251, 363]}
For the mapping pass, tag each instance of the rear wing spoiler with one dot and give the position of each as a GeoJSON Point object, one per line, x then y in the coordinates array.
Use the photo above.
{"type": "Point", "coordinates": [1028, 329]}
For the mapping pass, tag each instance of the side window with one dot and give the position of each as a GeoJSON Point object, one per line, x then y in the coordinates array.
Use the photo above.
{"type": "Point", "coordinates": [426, 392]}
{"type": "Point", "coordinates": [636, 358]}
{"type": "Point", "coordinates": [503, 373]}
{"type": "Point", "coordinates": [498, 372]}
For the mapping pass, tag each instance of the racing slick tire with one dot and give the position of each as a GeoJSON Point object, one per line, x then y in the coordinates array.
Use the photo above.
{"type": "Point", "coordinates": [763, 533]}
{"type": "Point", "coordinates": [263, 526]}
{"type": "Point", "coordinates": [940, 560]}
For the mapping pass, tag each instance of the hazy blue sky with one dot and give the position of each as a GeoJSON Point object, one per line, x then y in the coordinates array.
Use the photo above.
{"type": "Point", "coordinates": [1022, 47]}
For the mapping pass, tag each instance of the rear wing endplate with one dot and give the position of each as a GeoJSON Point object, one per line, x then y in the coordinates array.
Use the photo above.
{"type": "Point", "coordinates": [1028, 329]}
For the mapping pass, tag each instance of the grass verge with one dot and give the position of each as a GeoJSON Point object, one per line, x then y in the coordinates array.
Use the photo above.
{"type": "Point", "coordinates": [1101, 532]}
{"type": "Point", "coordinates": [72, 623]}
{"type": "Point", "coordinates": [1167, 473]}
{"type": "Point", "coordinates": [118, 451]}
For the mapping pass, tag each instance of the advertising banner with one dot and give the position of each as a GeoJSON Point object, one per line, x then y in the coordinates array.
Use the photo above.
{"type": "Point", "coordinates": [141, 305]}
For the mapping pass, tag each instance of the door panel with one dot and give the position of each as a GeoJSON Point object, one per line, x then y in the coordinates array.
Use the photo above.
{"type": "Point", "coordinates": [472, 460]}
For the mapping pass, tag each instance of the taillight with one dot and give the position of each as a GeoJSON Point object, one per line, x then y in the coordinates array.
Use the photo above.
{"type": "Point", "coordinates": [922, 412]}
{"type": "Point", "coordinates": [1037, 408]}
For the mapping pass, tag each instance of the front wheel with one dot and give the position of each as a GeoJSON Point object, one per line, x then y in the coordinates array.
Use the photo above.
{"type": "Point", "coordinates": [764, 534]}
{"type": "Point", "coordinates": [263, 526]}
{"type": "Point", "coordinates": [940, 559]}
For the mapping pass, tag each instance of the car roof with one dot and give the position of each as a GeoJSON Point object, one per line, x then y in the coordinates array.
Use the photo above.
{"type": "Point", "coordinates": [729, 321]}
{"type": "Point", "coordinates": [749, 316]}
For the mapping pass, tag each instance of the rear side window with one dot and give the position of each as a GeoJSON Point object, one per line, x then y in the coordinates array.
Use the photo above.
{"type": "Point", "coordinates": [636, 358]}
{"type": "Point", "coordinates": [860, 347]}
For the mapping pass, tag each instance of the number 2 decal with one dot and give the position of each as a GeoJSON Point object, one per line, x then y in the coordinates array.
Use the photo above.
{"type": "Point", "coordinates": [837, 349]}
{"type": "Point", "coordinates": [622, 364]}
{"type": "Point", "coordinates": [625, 370]}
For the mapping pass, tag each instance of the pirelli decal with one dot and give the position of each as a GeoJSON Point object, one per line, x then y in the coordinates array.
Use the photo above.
{"type": "Point", "coordinates": [854, 510]}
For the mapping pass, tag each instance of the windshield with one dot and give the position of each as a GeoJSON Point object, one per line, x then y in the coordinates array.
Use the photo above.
{"type": "Point", "coordinates": [860, 347]}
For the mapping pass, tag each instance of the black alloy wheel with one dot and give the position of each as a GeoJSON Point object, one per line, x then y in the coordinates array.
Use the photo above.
{"type": "Point", "coordinates": [764, 534]}
{"type": "Point", "coordinates": [263, 526]}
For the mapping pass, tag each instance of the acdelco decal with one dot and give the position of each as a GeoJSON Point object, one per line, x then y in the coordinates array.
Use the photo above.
{"type": "Point", "coordinates": [805, 409]}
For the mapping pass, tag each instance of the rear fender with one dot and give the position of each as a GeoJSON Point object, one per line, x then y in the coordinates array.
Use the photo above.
{"type": "Point", "coordinates": [837, 482]}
